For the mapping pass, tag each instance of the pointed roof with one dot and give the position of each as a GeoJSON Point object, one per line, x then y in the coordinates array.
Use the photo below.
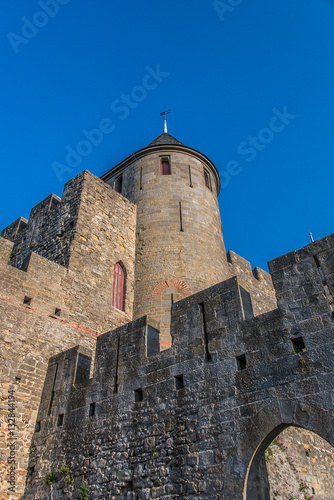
{"type": "Point", "coordinates": [165, 138]}
{"type": "Point", "coordinates": [163, 143]}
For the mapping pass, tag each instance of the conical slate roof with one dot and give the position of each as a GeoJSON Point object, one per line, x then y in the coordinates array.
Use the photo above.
{"type": "Point", "coordinates": [163, 143]}
{"type": "Point", "coordinates": [165, 138]}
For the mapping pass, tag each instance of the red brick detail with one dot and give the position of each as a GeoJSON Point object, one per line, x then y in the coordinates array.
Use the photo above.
{"type": "Point", "coordinates": [165, 343]}
{"type": "Point", "coordinates": [32, 310]}
{"type": "Point", "coordinates": [181, 286]}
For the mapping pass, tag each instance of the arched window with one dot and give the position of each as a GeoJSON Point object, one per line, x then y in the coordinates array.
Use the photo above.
{"type": "Point", "coordinates": [118, 294]}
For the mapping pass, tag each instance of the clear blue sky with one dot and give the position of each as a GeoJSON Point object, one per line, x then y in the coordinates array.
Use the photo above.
{"type": "Point", "coordinates": [226, 73]}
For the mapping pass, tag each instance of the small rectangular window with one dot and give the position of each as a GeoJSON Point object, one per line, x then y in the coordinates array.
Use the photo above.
{"type": "Point", "coordinates": [119, 184]}
{"type": "Point", "coordinates": [60, 420]}
{"type": "Point", "coordinates": [139, 395]}
{"type": "Point", "coordinates": [207, 179]}
{"type": "Point", "coordinates": [30, 473]}
{"type": "Point", "coordinates": [27, 300]}
{"type": "Point", "coordinates": [179, 382]}
{"type": "Point", "coordinates": [298, 345]}
{"type": "Point", "coordinates": [241, 362]}
{"type": "Point", "coordinates": [165, 166]}
{"type": "Point", "coordinates": [92, 409]}
{"type": "Point", "coordinates": [57, 312]}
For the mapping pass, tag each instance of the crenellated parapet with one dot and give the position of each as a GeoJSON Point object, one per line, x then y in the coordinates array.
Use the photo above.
{"type": "Point", "coordinates": [57, 277]}
{"type": "Point", "coordinates": [190, 421]}
{"type": "Point", "coordinates": [256, 281]}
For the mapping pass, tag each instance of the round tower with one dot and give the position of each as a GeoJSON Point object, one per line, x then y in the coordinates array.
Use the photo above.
{"type": "Point", "coordinates": [179, 242]}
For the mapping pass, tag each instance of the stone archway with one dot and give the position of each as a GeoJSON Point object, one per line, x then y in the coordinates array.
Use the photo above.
{"type": "Point", "coordinates": [266, 426]}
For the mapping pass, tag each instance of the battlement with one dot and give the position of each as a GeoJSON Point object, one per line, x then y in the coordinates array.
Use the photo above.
{"type": "Point", "coordinates": [227, 381]}
{"type": "Point", "coordinates": [57, 275]}
{"type": "Point", "coordinates": [58, 228]}
{"type": "Point", "coordinates": [200, 321]}
{"type": "Point", "coordinates": [91, 229]}
{"type": "Point", "coordinates": [256, 281]}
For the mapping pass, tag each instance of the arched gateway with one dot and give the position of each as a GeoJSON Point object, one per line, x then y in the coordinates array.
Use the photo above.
{"type": "Point", "coordinates": [305, 416]}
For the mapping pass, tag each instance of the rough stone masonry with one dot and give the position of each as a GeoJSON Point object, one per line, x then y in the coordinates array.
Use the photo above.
{"type": "Point", "coordinates": [204, 362]}
{"type": "Point", "coordinates": [193, 421]}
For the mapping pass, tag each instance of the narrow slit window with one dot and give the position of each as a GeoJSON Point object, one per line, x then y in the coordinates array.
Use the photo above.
{"type": "Point", "coordinates": [139, 395]}
{"type": "Point", "coordinates": [298, 345]}
{"type": "Point", "coordinates": [119, 184]}
{"type": "Point", "coordinates": [181, 221]}
{"type": "Point", "coordinates": [241, 362]}
{"type": "Point", "coordinates": [51, 402]}
{"type": "Point", "coordinates": [208, 357]}
{"type": "Point", "coordinates": [60, 420]}
{"type": "Point", "coordinates": [207, 179]}
{"type": "Point", "coordinates": [179, 382]}
{"type": "Point", "coordinates": [165, 166]}
{"type": "Point", "coordinates": [118, 297]}
{"type": "Point", "coordinates": [190, 180]}
{"type": "Point", "coordinates": [319, 269]}
{"type": "Point", "coordinates": [37, 426]}
{"type": "Point", "coordinates": [53, 390]}
{"type": "Point", "coordinates": [246, 302]}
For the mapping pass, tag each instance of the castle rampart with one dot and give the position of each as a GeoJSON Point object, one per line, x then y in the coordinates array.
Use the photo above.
{"type": "Point", "coordinates": [193, 421]}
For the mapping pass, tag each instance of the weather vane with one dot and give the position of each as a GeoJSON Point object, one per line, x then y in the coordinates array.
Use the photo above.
{"type": "Point", "coordinates": [164, 113]}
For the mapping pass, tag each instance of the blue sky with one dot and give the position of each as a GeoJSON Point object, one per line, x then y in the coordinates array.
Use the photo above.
{"type": "Point", "coordinates": [250, 84]}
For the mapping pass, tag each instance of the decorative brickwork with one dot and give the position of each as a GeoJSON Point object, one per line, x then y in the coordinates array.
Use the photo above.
{"type": "Point", "coordinates": [180, 286]}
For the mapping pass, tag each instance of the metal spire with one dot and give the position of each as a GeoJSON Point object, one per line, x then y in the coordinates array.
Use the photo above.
{"type": "Point", "coordinates": [311, 236]}
{"type": "Point", "coordinates": [164, 113]}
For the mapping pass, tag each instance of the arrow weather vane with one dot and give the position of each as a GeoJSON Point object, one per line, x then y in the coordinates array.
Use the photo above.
{"type": "Point", "coordinates": [164, 113]}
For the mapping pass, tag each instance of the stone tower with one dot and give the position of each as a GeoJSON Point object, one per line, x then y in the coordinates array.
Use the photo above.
{"type": "Point", "coordinates": [179, 242]}
{"type": "Point", "coordinates": [180, 247]}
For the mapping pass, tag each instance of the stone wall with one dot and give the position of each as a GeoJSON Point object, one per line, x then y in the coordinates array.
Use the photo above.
{"type": "Point", "coordinates": [46, 307]}
{"type": "Point", "coordinates": [193, 421]}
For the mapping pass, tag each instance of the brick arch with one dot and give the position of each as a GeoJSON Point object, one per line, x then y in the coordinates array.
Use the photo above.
{"type": "Point", "coordinates": [181, 286]}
